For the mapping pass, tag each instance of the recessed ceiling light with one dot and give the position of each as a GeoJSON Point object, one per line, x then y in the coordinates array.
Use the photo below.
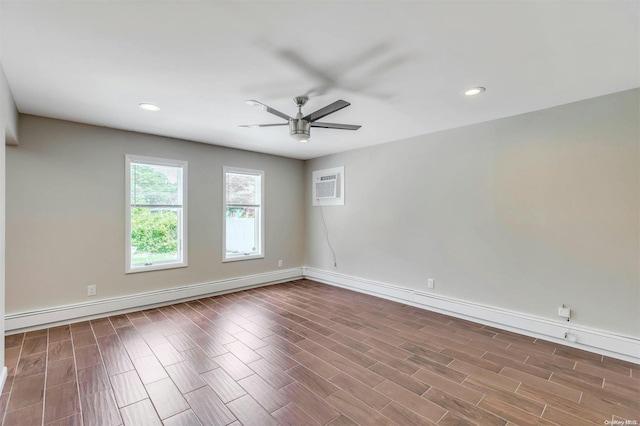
{"type": "Point", "coordinates": [149, 107]}
{"type": "Point", "coordinates": [474, 91]}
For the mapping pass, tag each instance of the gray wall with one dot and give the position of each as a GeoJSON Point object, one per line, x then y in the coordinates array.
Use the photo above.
{"type": "Point", "coordinates": [7, 114]}
{"type": "Point", "coordinates": [8, 134]}
{"type": "Point", "coordinates": [65, 213]}
{"type": "Point", "coordinates": [523, 213]}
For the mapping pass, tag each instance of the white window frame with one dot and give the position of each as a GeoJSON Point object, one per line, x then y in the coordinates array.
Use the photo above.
{"type": "Point", "coordinates": [182, 219]}
{"type": "Point", "coordinates": [225, 170]}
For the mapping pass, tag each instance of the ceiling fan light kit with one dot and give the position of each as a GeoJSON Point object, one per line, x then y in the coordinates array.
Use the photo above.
{"type": "Point", "coordinates": [300, 130]}
{"type": "Point", "coordinates": [300, 126]}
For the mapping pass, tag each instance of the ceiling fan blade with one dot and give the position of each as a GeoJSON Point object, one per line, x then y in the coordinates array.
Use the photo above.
{"type": "Point", "coordinates": [268, 109]}
{"type": "Point", "coordinates": [299, 61]}
{"type": "Point", "coordinates": [335, 126]}
{"type": "Point", "coordinates": [263, 125]}
{"type": "Point", "coordinates": [329, 109]}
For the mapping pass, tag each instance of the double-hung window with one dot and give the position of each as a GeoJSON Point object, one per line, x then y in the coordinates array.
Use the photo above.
{"type": "Point", "coordinates": [156, 212]}
{"type": "Point", "coordinates": [243, 227]}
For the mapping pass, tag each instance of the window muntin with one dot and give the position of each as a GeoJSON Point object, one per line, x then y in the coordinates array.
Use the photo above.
{"type": "Point", "coordinates": [243, 226]}
{"type": "Point", "coordinates": [156, 211]}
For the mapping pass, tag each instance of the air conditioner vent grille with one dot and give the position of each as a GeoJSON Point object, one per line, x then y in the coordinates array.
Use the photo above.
{"type": "Point", "coordinates": [326, 188]}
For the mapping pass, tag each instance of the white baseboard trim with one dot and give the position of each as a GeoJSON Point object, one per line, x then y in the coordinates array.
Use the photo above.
{"type": "Point", "coordinates": [3, 378]}
{"type": "Point", "coordinates": [589, 339]}
{"type": "Point", "coordinates": [593, 340]}
{"type": "Point", "coordinates": [49, 317]}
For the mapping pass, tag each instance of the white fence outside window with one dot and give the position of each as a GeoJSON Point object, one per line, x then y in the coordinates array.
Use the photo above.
{"type": "Point", "coordinates": [241, 235]}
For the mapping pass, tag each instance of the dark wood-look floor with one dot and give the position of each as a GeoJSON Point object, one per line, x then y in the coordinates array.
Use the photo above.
{"type": "Point", "coordinates": [303, 353]}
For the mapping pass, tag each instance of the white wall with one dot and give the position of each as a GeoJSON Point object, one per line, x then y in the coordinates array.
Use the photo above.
{"type": "Point", "coordinates": [523, 213]}
{"type": "Point", "coordinates": [65, 213]}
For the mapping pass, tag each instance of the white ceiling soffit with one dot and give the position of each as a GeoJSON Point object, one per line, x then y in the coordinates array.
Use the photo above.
{"type": "Point", "coordinates": [402, 65]}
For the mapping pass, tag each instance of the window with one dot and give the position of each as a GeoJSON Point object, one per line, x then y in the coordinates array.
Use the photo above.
{"type": "Point", "coordinates": [156, 203]}
{"type": "Point", "coordinates": [243, 215]}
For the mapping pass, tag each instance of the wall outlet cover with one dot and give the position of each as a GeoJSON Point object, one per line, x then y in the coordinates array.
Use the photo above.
{"type": "Point", "coordinates": [564, 312]}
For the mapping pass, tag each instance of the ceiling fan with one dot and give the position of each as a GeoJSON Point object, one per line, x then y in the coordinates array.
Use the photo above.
{"type": "Point", "coordinates": [300, 126]}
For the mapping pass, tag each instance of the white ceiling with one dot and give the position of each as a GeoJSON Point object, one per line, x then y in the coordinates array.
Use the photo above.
{"type": "Point", "coordinates": [402, 65]}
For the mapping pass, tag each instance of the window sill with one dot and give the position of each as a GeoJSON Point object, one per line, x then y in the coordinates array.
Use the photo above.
{"type": "Point", "coordinates": [157, 267]}
{"type": "Point", "coordinates": [238, 258]}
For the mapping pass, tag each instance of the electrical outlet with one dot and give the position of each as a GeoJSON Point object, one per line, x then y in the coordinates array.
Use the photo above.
{"type": "Point", "coordinates": [280, 263]}
{"type": "Point", "coordinates": [91, 290]}
{"type": "Point", "coordinates": [431, 283]}
{"type": "Point", "coordinates": [564, 312]}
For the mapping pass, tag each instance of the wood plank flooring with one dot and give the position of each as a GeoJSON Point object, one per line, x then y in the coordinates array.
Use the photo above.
{"type": "Point", "coordinates": [304, 353]}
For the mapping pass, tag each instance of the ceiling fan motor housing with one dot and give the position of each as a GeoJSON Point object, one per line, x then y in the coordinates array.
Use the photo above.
{"type": "Point", "coordinates": [299, 129]}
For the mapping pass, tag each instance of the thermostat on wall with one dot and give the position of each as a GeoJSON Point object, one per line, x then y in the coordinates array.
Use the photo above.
{"type": "Point", "coordinates": [328, 187]}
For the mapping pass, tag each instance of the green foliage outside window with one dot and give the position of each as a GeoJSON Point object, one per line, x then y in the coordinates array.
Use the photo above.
{"type": "Point", "coordinates": [154, 225]}
{"type": "Point", "coordinates": [154, 231]}
{"type": "Point", "coordinates": [155, 185]}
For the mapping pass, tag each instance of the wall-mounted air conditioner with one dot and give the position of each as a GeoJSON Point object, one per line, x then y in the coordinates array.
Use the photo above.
{"type": "Point", "coordinates": [328, 187]}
